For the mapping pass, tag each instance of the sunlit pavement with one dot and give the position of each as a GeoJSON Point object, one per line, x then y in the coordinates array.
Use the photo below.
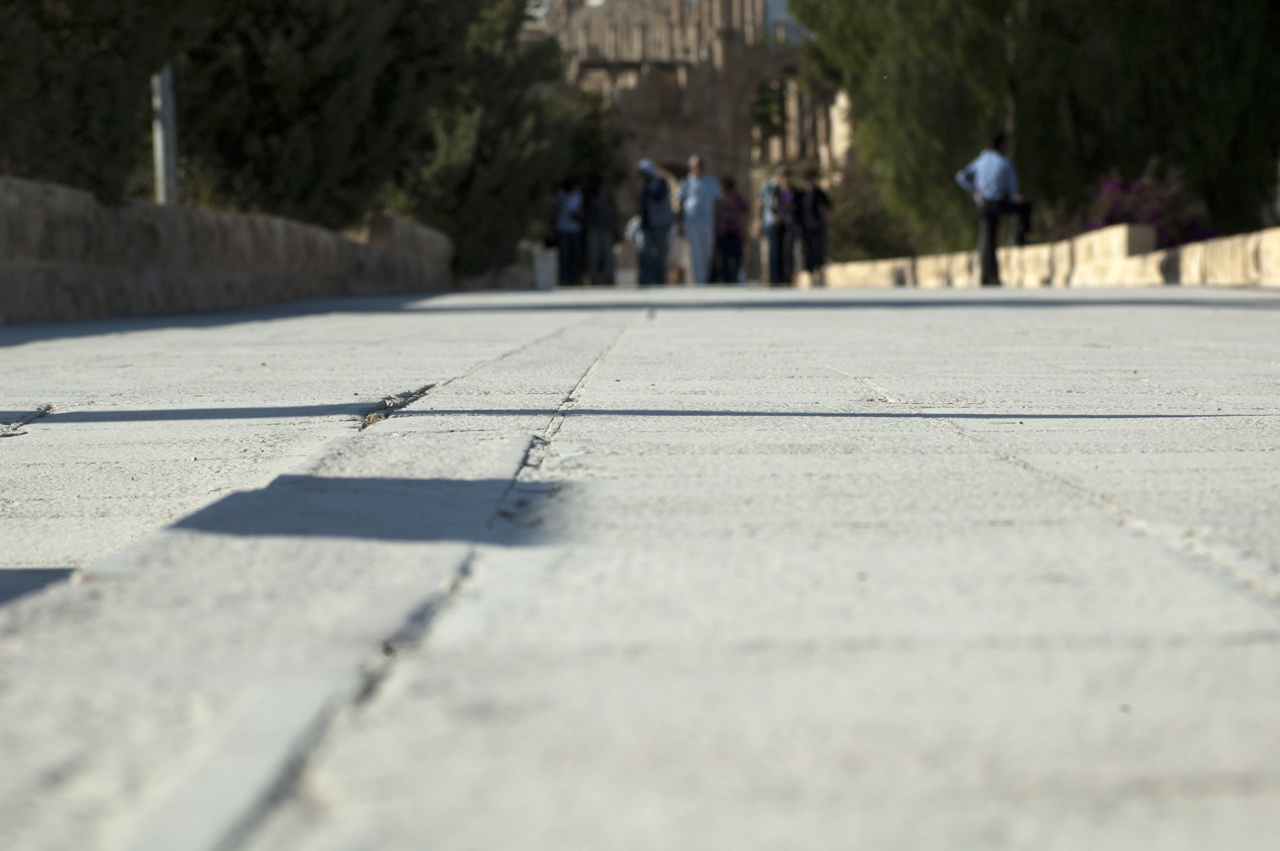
{"type": "Point", "coordinates": [725, 569]}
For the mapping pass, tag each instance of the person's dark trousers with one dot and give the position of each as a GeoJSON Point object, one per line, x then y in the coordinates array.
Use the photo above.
{"type": "Point", "coordinates": [729, 248]}
{"type": "Point", "coordinates": [653, 259]}
{"type": "Point", "coordinates": [570, 245]}
{"type": "Point", "coordinates": [782, 247]}
{"type": "Point", "coordinates": [815, 250]}
{"type": "Point", "coordinates": [989, 228]}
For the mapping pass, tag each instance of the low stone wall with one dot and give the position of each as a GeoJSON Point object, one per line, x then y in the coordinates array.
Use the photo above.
{"type": "Point", "coordinates": [1119, 256]}
{"type": "Point", "coordinates": [64, 256]}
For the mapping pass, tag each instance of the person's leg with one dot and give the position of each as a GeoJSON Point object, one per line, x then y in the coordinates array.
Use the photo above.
{"type": "Point", "coordinates": [816, 257]}
{"type": "Point", "coordinates": [988, 225]}
{"type": "Point", "coordinates": [660, 244]}
{"type": "Point", "coordinates": [700, 235]}
{"type": "Point", "coordinates": [648, 259]}
{"type": "Point", "coordinates": [766, 255]}
{"type": "Point", "coordinates": [777, 254]}
{"type": "Point", "coordinates": [565, 242]}
{"type": "Point", "coordinates": [809, 244]}
{"type": "Point", "coordinates": [578, 251]}
{"type": "Point", "coordinates": [608, 274]}
{"type": "Point", "coordinates": [733, 256]}
{"type": "Point", "coordinates": [787, 258]}
{"type": "Point", "coordinates": [592, 257]}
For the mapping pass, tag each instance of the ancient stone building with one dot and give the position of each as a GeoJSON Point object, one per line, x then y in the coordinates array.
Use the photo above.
{"type": "Point", "coordinates": [682, 77]}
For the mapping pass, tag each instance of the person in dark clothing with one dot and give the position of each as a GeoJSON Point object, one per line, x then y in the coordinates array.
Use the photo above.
{"type": "Point", "coordinates": [782, 242]}
{"type": "Point", "coordinates": [731, 231]}
{"type": "Point", "coordinates": [600, 223]}
{"type": "Point", "coordinates": [656, 218]}
{"type": "Point", "coordinates": [568, 231]}
{"type": "Point", "coordinates": [813, 215]}
{"type": "Point", "coordinates": [993, 182]}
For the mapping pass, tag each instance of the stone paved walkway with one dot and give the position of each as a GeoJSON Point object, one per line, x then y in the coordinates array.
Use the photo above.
{"type": "Point", "coordinates": [731, 569]}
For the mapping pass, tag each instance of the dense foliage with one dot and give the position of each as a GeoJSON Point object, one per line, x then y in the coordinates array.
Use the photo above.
{"type": "Point", "coordinates": [1089, 88]}
{"type": "Point", "coordinates": [318, 110]}
{"type": "Point", "coordinates": [74, 83]}
{"type": "Point", "coordinates": [498, 145]}
{"type": "Point", "coordinates": [306, 108]}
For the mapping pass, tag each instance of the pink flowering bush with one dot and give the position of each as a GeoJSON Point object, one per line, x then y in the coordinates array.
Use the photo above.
{"type": "Point", "coordinates": [1155, 198]}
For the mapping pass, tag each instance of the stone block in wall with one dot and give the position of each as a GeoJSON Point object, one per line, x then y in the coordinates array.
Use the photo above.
{"type": "Point", "coordinates": [1062, 263]}
{"type": "Point", "coordinates": [1113, 242]}
{"type": "Point", "coordinates": [1104, 272]}
{"type": "Point", "coordinates": [394, 233]}
{"type": "Point", "coordinates": [1027, 266]}
{"type": "Point", "coordinates": [64, 256]}
{"type": "Point", "coordinates": [1269, 257]}
{"type": "Point", "coordinates": [1037, 265]}
{"type": "Point", "coordinates": [966, 270]}
{"type": "Point", "coordinates": [1010, 262]}
{"type": "Point", "coordinates": [1232, 261]}
{"type": "Point", "coordinates": [933, 271]}
{"type": "Point", "coordinates": [1189, 264]}
{"type": "Point", "coordinates": [870, 274]}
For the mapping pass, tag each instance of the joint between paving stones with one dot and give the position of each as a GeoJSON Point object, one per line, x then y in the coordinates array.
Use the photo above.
{"type": "Point", "coordinates": [386, 408]}
{"type": "Point", "coordinates": [375, 671]}
{"type": "Point", "coordinates": [414, 632]}
{"type": "Point", "coordinates": [14, 429]}
{"type": "Point", "coordinates": [1185, 542]}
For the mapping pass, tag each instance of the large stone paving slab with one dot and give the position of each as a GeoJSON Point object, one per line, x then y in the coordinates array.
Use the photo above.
{"type": "Point", "coordinates": [730, 569]}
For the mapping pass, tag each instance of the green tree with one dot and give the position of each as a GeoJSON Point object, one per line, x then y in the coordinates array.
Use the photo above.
{"type": "Point", "coordinates": [1087, 86]}
{"type": "Point", "coordinates": [501, 141]}
{"type": "Point", "coordinates": [307, 108]}
{"type": "Point", "coordinates": [74, 83]}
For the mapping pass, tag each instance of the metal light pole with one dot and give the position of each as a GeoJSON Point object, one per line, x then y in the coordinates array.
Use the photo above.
{"type": "Point", "coordinates": [164, 136]}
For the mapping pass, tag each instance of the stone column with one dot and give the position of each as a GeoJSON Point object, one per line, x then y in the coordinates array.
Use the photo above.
{"type": "Point", "coordinates": [791, 121]}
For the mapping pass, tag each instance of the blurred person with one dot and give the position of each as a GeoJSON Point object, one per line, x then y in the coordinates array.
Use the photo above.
{"type": "Point", "coordinates": [813, 215]}
{"type": "Point", "coordinates": [782, 241]}
{"type": "Point", "coordinates": [699, 192]}
{"type": "Point", "coordinates": [656, 218]}
{"type": "Point", "coordinates": [568, 203]}
{"type": "Point", "coordinates": [731, 231]}
{"type": "Point", "coordinates": [993, 182]}
{"type": "Point", "coordinates": [769, 270]}
{"type": "Point", "coordinates": [600, 221]}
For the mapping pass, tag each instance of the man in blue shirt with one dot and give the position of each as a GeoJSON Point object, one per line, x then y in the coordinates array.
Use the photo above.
{"type": "Point", "coordinates": [993, 182]}
{"type": "Point", "coordinates": [698, 195]}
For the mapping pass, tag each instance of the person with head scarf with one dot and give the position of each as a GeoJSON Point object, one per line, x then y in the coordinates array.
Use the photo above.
{"type": "Point", "coordinates": [656, 218]}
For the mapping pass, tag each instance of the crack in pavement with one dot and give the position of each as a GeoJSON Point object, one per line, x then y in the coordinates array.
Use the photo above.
{"type": "Point", "coordinates": [1255, 574]}
{"type": "Point", "coordinates": [386, 408]}
{"type": "Point", "coordinates": [375, 671]}
{"type": "Point", "coordinates": [14, 429]}
{"type": "Point", "coordinates": [416, 629]}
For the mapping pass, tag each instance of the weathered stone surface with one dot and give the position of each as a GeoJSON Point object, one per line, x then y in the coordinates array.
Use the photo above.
{"type": "Point", "coordinates": [1118, 256]}
{"type": "Point", "coordinates": [1233, 260]}
{"type": "Point", "coordinates": [1269, 257]}
{"type": "Point", "coordinates": [63, 256]}
{"type": "Point", "coordinates": [731, 569]}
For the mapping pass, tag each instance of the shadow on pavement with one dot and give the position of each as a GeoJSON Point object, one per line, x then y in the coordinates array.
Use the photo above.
{"type": "Point", "coordinates": [19, 582]}
{"type": "Point", "coordinates": [1036, 300]}
{"type": "Point", "coordinates": [17, 335]}
{"type": "Point", "coordinates": [166, 414]}
{"type": "Point", "coordinates": [488, 511]}
{"type": "Point", "coordinates": [656, 299]}
{"type": "Point", "coordinates": [870, 415]}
